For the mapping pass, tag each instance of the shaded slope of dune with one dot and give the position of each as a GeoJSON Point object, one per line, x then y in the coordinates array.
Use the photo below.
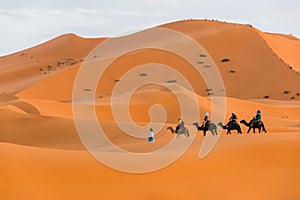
{"type": "Point", "coordinates": [286, 47]}
{"type": "Point", "coordinates": [23, 69]}
{"type": "Point", "coordinates": [33, 130]}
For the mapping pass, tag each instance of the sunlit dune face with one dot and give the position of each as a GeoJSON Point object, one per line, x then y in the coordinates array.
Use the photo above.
{"type": "Point", "coordinates": [145, 102]}
{"type": "Point", "coordinates": [137, 58]}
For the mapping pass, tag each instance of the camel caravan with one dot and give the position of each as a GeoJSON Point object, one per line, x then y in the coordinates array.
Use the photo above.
{"type": "Point", "coordinates": [208, 125]}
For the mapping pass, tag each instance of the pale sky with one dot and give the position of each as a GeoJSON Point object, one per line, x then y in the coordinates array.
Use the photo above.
{"type": "Point", "coordinates": [28, 23]}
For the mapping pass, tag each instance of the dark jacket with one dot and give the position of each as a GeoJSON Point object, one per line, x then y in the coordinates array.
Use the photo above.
{"type": "Point", "coordinates": [258, 116]}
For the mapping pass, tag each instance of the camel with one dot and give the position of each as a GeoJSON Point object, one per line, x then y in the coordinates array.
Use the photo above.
{"type": "Point", "coordinates": [231, 126]}
{"type": "Point", "coordinates": [260, 125]}
{"type": "Point", "coordinates": [180, 131]}
{"type": "Point", "coordinates": [212, 128]}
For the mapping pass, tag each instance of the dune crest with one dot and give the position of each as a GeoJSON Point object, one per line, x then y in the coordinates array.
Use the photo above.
{"type": "Point", "coordinates": [243, 56]}
{"type": "Point", "coordinates": [287, 47]}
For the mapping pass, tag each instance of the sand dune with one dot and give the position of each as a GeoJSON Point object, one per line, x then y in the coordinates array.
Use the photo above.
{"type": "Point", "coordinates": [239, 167]}
{"type": "Point", "coordinates": [250, 57]}
{"type": "Point", "coordinates": [241, 44]}
{"type": "Point", "coordinates": [286, 47]}
{"type": "Point", "coordinates": [60, 128]}
{"type": "Point", "coordinates": [42, 61]}
{"type": "Point", "coordinates": [42, 156]}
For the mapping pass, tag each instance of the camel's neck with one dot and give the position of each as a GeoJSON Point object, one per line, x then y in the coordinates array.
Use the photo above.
{"type": "Point", "coordinates": [246, 123]}
{"type": "Point", "coordinates": [172, 130]}
{"type": "Point", "coordinates": [222, 126]}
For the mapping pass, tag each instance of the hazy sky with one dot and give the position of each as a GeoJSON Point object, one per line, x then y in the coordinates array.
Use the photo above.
{"type": "Point", "coordinates": [27, 23]}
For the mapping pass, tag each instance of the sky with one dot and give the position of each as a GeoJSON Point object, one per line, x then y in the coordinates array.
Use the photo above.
{"type": "Point", "coordinates": [27, 23]}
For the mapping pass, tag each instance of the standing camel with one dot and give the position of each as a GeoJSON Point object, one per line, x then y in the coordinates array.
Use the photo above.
{"type": "Point", "coordinates": [181, 131]}
{"type": "Point", "coordinates": [260, 125]}
{"type": "Point", "coordinates": [211, 127]}
{"type": "Point", "coordinates": [231, 126]}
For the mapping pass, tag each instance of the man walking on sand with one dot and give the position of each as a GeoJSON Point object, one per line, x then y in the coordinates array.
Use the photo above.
{"type": "Point", "coordinates": [151, 136]}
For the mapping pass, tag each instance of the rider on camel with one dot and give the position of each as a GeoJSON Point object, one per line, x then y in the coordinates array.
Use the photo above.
{"type": "Point", "coordinates": [179, 125]}
{"type": "Point", "coordinates": [206, 120]}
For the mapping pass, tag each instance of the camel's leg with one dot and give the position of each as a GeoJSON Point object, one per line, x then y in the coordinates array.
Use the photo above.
{"type": "Point", "coordinates": [172, 130]}
{"type": "Point", "coordinates": [239, 131]}
{"type": "Point", "coordinates": [249, 130]}
{"type": "Point", "coordinates": [204, 133]}
{"type": "Point", "coordinates": [263, 128]}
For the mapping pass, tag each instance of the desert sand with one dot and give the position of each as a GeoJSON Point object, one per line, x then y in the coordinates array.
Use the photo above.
{"type": "Point", "coordinates": [42, 156]}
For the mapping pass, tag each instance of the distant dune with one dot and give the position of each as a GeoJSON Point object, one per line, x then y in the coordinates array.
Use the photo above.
{"type": "Point", "coordinates": [255, 61]}
{"type": "Point", "coordinates": [42, 156]}
{"type": "Point", "coordinates": [23, 69]}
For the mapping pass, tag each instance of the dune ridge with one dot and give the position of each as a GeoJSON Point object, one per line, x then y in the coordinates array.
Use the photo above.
{"type": "Point", "coordinates": [241, 44]}
{"type": "Point", "coordinates": [42, 61]}
{"type": "Point", "coordinates": [287, 47]}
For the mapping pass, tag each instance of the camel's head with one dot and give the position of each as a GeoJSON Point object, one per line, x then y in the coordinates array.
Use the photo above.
{"type": "Point", "coordinates": [195, 123]}
{"type": "Point", "coordinates": [169, 128]}
{"type": "Point", "coordinates": [243, 121]}
{"type": "Point", "coordinates": [222, 126]}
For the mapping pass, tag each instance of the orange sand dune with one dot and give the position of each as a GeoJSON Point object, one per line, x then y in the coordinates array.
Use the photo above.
{"type": "Point", "coordinates": [57, 117]}
{"type": "Point", "coordinates": [25, 68]}
{"type": "Point", "coordinates": [51, 164]}
{"type": "Point", "coordinates": [262, 167]}
{"type": "Point", "coordinates": [255, 66]}
{"type": "Point", "coordinates": [33, 130]}
{"type": "Point", "coordinates": [42, 156]}
{"type": "Point", "coordinates": [286, 47]}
